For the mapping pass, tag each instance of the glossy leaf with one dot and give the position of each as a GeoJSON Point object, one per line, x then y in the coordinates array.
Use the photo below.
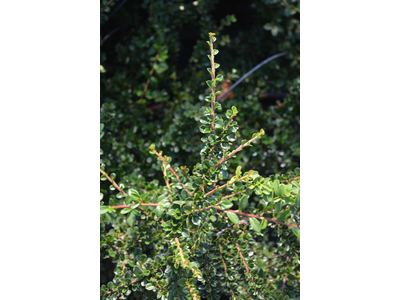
{"type": "Point", "coordinates": [233, 217]}
{"type": "Point", "coordinates": [255, 225]}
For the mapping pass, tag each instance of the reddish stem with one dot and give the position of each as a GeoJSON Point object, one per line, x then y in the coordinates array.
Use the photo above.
{"type": "Point", "coordinates": [256, 216]}
{"type": "Point", "coordinates": [113, 182]}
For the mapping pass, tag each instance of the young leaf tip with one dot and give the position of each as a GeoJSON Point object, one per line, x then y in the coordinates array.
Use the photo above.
{"type": "Point", "coordinates": [152, 147]}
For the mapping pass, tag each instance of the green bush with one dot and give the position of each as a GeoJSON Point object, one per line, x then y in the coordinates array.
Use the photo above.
{"type": "Point", "coordinates": [209, 232]}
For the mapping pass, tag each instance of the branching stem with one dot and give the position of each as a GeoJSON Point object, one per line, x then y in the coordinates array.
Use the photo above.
{"type": "Point", "coordinates": [173, 172]}
{"type": "Point", "coordinates": [113, 182]}
{"type": "Point", "coordinates": [213, 85]}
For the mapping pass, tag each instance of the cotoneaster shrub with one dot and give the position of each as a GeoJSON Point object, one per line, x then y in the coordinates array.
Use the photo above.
{"type": "Point", "coordinates": [213, 232]}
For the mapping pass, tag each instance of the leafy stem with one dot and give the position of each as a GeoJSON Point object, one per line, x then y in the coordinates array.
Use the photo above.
{"type": "Point", "coordinates": [212, 39]}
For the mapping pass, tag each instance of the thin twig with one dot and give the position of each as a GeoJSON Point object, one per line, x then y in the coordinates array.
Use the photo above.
{"type": "Point", "coordinates": [232, 195]}
{"type": "Point", "coordinates": [184, 262]}
{"type": "Point", "coordinates": [224, 186]}
{"type": "Point", "coordinates": [256, 216]}
{"type": "Point", "coordinates": [119, 189]}
{"type": "Point", "coordinates": [213, 79]}
{"type": "Point", "coordinates": [245, 264]}
{"type": "Point", "coordinates": [142, 204]}
{"type": "Point", "coordinates": [292, 179]}
{"type": "Point", "coordinates": [226, 271]}
{"type": "Point", "coordinates": [235, 151]}
{"type": "Point", "coordinates": [151, 74]}
{"type": "Point", "coordinates": [113, 182]}
{"type": "Point", "coordinates": [173, 172]}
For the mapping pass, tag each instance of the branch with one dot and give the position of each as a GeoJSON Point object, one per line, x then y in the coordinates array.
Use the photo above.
{"type": "Point", "coordinates": [232, 195]}
{"type": "Point", "coordinates": [237, 150]}
{"type": "Point", "coordinates": [167, 183]}
{"type": "Point", "coordinates": [213, 79]}
{"type": "Point", "coordinates": [256, 216]}
{"type": "Point", "coordinates": [226, 271]}
{"type": "Point", "coordinates": [113, 182]}
{"type": "Point", "coordinates": [292, 179]}
{"type": "Point", "coordinates": [142, 204]}
{"type": "Point", "coordinates": [151, 74]}
{"type": "Point", "coordinates": [191, 290]}
{"type": "Point", "coordinates": [119, 189]}
{"type": "Point", "coordinates": [211, 206]}
{"type": "Point", "coordinates": [172, 171]}
{"type": "Point", "coordinates": [184, 263]}
{"type": "Point", "coordinates": [241, 222]}
{"type": "Point", "coordinates": [224, 186]}
{"type": "Point", "coordinates": [247, 267]}
{"type": "Point", "coordinates": [244, 261]}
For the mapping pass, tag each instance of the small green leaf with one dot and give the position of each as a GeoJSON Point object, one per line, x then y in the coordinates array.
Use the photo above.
{"type": "Point", "coordinates": [159, 211]}
{"type": "Point", "coordinates": [234, 110]}
{"type": "Point", "coordinates": [134, 194]}
{"type": "Point", "coordinates": [278, 207]}
{"type": "Point", "coordinates": [150, 287]}
{"type": "Point", "coordinates": [297, 201]}
{"type": "Point", "coordinates": [126, 210]}
{"type": "Point", "coordinates": [226, 204]}
{"type": "Point", "coordinates": [102, 70]}
{"type": "Point", "coordinates": [216, 65]}
{"type": "Point", "coordinates": [103, 209]}
{"type": "Point", "coordinates": [231, 138]}
{"type": "Point", "coordinates": [275, 185]}
{"type": "Point", "coordinates": [284, 215]}
{"type": "Point", "coordinates": [205, 129]}
{"type": "Point", "coordinates": [281, 191]}
{"type": "Point", "coordinates": [215, 51]}
{"type": "Point", "coordinates": [255, 225]}
{"type": "Point", "coordinates": [225, 146]}
{"type": "Point", "coordinates": [131, 218]}
{"type": "Point", "coordinates": [219, 78]}
{"type": "Point", "coordinates": [243, 202]}
{"type": "Point", "coordinates": [145, 272]}
{"type": "Point", "coordinates": [196, 220]}
{"type": "Point", "coordinates": [223, 174]}
{"type": "Point", "coordinates": [134, 205]}
{"type": "Point", "coordinates": [233, 217]}
{"type": "Point", "coordinates": [239, 171]}
{"type": "Point", "coordinates": [296, 231]}
{"type": "Point", "coordinates": [264, 224]}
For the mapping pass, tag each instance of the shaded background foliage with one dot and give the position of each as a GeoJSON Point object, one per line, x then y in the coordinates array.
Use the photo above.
{"type": "Point", "coordinates": [155, 59]}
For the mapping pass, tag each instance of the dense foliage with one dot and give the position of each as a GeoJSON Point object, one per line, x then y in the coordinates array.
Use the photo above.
{"type": "Point", "coordinates": [155, 62]}
{"type": "Point", "coordinates": [209, 232]}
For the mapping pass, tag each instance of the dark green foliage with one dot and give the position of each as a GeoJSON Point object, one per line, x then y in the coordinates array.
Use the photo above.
{"type": "Point", "coordinates": [215, 229]}
{"type": "Point", "coordinates": [153, 87]}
